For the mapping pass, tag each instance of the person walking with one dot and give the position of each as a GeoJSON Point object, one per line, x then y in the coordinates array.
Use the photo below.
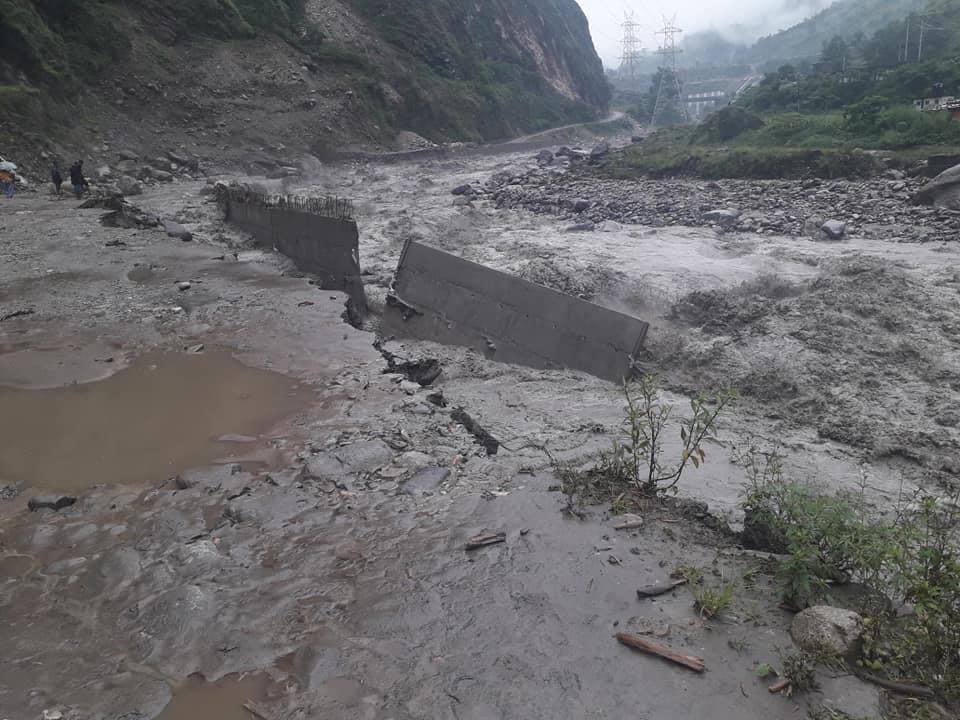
{"type": "Point", "coordinates": [57, 178]}
{"type": "Point", "coordinates": [6, 182]}
{"type": "Point", "coordinates": [77, 179]}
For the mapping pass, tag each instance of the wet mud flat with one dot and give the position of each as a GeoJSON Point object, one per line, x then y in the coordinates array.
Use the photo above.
{"type": "Point", "coordinates": [164, 414]}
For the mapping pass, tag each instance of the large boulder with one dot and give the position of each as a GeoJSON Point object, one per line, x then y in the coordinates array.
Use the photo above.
{"type": "Point", "coordinates": [834, 229]}
{"type": "Point", "coordinates": [544, 157]}
{"type": "Point", "coordinates": [183, 160]}
{"type": "Point", "coordinates": [826, 630]}
{"type": "Point", "coordinates": [176, 230]}
{"type": "Point", "coordinates": [725, 216]}
{"type": "Point", "coordinates": [599, 151]}
{"type": "Point", "coordinates": [129, 186]}
{"type": "Point", "coordinates": [943, 191]}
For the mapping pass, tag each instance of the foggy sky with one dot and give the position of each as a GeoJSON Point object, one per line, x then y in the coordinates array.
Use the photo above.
{"type": "Point", "coordinates": [754, 17]}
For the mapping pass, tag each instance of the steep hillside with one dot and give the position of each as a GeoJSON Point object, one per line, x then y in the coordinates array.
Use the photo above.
{"type": "Point", "coordinates": [265, 79]}
{"type": "Point", "coordinates": [846, 18]}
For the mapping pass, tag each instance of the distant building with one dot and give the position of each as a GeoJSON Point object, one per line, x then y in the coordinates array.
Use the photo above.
{"type": "Point", "coordinates": [701, 104]}
{"type": "Point", "coordinates": [945, 103]}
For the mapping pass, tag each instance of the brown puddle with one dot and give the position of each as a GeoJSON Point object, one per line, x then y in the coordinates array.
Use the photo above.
{"type": "Point", "coordinates": [197, 699]}
{"type": "Point", "coordinates": [160, 416]}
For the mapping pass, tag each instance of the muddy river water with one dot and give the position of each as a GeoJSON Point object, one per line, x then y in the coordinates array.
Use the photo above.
{"type": "Point", "coordinates": [334, 583]}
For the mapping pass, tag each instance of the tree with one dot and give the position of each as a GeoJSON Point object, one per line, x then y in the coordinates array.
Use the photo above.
{"type": "Point", "coordinates": [835, 51]}
{"type": "Point", "coordinates": [787, 73]}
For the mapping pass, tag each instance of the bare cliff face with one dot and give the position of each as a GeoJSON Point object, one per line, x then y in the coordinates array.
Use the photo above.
{"type": "Point", "coordinates": [238, 78]}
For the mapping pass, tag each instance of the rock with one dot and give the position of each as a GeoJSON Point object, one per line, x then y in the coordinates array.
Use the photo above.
{"type": "Point", "coordinates": [410, 388]}
{"type": "Point", "coordinates": [323, 466]}
{"type": "Point", "coordinates": [129, 186]}
{"type": "Point", "coordinates": [365, 456]}
{"type": "Point", "coordinates": [812, 226]}
{"type": "Point", "coordinates": [161, 163]}
{"type": "Point", "coordinates": [182, 286]}
{"type": "Point", "coordinates": [462, 201]}
{"type": "Point", "coordinates": [128, 155]}
{"type": "Point", "coordinates": [162, 176]}
{"type": "Point", "coordinates": [581, 205]}
{"type": "Point", "coordinates": [427, 481]}
{"type": "Point", "coordinates": [103, 172]}
{"type": "Point", "coordinates": [830, 630]}
{"type": "Point", "coordinates": [183, 483]}
{"type": "Point", "coordinates": [564, 152]}
{"type": "Point", "coordinates": [462, 190]}
{"type": "Point", "coordinates": [414, 460]}
{"type": "Point", "coordinates": [834, 229]}
{"type": "Point", "coordinates": [176, 230]}
{"type": "Point", "coordinates": [628, 521]}
{"type": "Point", "coordinates": [600, 151]}
{"type": "Point", "coordinates": [544, 157]}
{"type": "Point", "coordinates": [722, 217]}
{"type": "Point", "coordinates": [183, 160]}
{"type": "Point", "coordinates": [943, 191]}
{"type": "Point", "coordinates": [582, 227]}
{"type": "Point", "coordinates": [50, 502]}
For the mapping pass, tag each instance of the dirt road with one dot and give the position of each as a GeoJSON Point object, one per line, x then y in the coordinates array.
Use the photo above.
{"type": "Point", "coordinates": [308, 527]}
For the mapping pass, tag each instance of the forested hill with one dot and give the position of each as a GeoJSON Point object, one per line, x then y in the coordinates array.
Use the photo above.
{"type": "Point", "coordinates": [315, 73]}
{"type": "Point", "coordinates": [847, 18]}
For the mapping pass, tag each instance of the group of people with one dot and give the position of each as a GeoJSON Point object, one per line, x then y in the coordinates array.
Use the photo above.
{"type": "Point", "coordinates": [77, 180]}
{"type": "Point", "coordinates": [8, 176]}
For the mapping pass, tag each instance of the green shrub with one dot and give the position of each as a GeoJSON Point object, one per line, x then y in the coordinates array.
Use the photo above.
{"type": "Point", "coordinates": [911, 557]}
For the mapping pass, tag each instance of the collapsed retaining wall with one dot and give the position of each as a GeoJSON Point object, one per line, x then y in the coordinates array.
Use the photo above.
{"type": "Point", "coordinates": [318, 234]}
{"type": "Point", "coordinates": [440, 297]}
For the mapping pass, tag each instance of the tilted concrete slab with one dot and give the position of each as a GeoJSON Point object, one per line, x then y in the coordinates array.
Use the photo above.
{"type": "Point", "coordinates": [328, 247]}
{"type": "Point", "coordinates": [444, 298]}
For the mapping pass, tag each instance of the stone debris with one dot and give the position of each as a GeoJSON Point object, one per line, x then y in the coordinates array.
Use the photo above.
{"type": "Point", "coordinates": [823, 629]}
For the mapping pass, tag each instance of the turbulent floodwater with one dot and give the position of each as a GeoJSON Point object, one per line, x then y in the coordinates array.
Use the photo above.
{"type": "Point", "coordinates": [806, 331]}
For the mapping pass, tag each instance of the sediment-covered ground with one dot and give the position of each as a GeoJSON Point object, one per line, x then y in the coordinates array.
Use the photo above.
{"type": "Point", "coordinates": [316, 540]}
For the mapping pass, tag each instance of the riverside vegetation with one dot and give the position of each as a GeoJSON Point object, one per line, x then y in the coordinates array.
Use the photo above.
{"type": "Point", "coordinates": [904, 565]}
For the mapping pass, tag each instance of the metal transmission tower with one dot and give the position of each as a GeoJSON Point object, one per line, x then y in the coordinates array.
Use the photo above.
{"type": "Point", "coordinates": [632, 48]}
{"type": "Point", "coordinates": [670, 91]}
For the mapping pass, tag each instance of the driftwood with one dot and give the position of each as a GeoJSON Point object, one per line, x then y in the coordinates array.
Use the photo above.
{"type": "Point", "coordinates": [16, 314]}
{"type": "Point", "coordinates": [488, 441]}
{"type": "Point", "coordinates": [638, 643]}
{"type": "Point", "coordinates": [898, 687]}
{"type": "Point", "coordinates": [486, 539]}
{"type": "Point", "coordinates": [780, 685]}
{"type": "Point", "coordinates": [659, 589]}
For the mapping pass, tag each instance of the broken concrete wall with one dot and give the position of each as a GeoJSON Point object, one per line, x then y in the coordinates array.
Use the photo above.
{"type": "Point", "coordinates": [327, 247]}
{"type": "Point", "coordinates": [440, 297]}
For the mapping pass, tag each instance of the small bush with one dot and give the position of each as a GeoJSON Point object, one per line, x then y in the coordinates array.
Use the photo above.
{"type": "Point", "coordinates": [638, 458]}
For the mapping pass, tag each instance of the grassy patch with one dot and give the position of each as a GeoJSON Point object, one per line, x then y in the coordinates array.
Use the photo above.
{"type": "Point", "coordinates": [669, 156]}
